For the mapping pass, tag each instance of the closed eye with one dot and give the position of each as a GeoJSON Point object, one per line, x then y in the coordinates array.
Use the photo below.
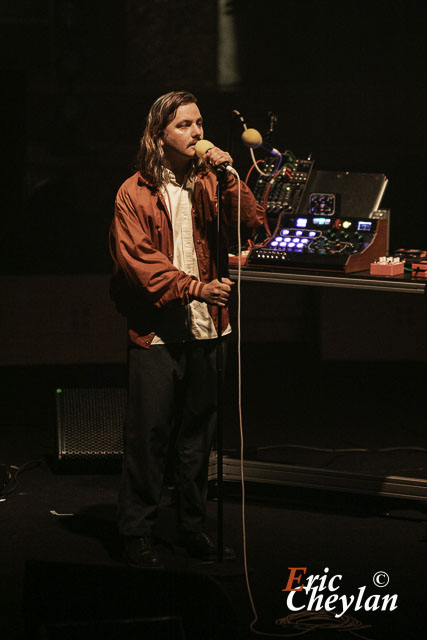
{"type": "Point", "coordinates": [187, 123]}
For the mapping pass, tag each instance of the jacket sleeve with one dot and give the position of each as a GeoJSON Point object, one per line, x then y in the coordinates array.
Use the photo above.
{"type": "Point", "coordinates": [251, 213]}
{"type": "Point", "coordinates": [144, 266]}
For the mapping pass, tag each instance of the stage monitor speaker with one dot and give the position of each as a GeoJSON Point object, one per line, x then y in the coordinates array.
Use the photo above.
{"type": "Point", "coordinates": [89, 431]}
{"type": "Point", "coordinates": [89, 428]}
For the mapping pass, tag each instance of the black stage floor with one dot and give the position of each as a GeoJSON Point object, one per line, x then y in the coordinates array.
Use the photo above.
{"type": "Point", "coordinates": [60, 553]}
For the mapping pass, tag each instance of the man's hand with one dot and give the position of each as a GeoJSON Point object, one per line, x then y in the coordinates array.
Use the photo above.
{"type": "Point", "coordinates": [216, 292]}
{"type": "Point", "coordinates": [215, 157]}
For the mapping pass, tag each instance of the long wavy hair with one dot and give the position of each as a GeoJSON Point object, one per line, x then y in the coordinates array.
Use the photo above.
{"type": "Point", "coordinates": [150, 159]}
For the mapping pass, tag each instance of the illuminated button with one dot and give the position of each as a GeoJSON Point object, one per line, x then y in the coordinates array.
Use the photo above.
{"type": "Point", "coordinates": [285, 232]}
{"type": "Point", "coordinates": [283, 244]}
{"type": "Point", "coordinates": [298, 233]}
{"type": "Point", "coordinates": [300, 245]}
{"type": "Point", "coordinates": [288, 240]}
{"type": "Point", "coordinates": [273, 244]}
{"type": "Point", "coordinates": [346, 224]}
{"type": "Point", "coordinates": [278, 238]}
{"type": "Point", "coordinates": [291, 244]}
{"type": "Point", "coordinates": [311, 234]}
{"type": "Point", "coordinates": [304, 240]}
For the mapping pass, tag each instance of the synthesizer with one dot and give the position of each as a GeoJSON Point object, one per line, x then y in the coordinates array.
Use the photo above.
{"type": "Point", "coordinates": [322, 242]}
{"type": "Point", "coordinates": [321, 220]}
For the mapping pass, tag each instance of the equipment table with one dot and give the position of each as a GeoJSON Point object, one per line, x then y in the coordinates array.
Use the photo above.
{"type": "Point", "coordinates": [266, 472]}
{"type": "Point", "coordinates": [404, 283]}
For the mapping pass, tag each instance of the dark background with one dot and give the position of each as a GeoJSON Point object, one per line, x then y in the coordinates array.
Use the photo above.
{"type": "Point", "coordinates": [346, 81]}
{"type": "Point", "coordinates": [322, 368]}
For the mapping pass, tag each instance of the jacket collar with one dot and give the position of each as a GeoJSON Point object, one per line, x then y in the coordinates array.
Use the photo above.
{"type": "Point", "coordinates": [143, 181]}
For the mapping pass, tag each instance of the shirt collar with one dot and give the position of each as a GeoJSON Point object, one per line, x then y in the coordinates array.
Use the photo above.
{"type": "Point", "coordinates": [169, 178]}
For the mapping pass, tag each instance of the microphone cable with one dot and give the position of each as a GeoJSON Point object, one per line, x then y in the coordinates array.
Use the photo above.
{"type": "Point", "coordinates": [240, 410]}
{"type": "Point", "coordinates": [303, 622]}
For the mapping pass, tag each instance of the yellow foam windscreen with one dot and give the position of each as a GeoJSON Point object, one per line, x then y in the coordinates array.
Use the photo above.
{"type": "Point", "coordinates": [251, 138]}
{"type": "Point", "coordinates": [202, 147]}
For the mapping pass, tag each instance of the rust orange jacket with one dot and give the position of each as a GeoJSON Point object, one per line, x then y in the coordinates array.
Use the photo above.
{"type": "Point", "coordinates": [146, 286]}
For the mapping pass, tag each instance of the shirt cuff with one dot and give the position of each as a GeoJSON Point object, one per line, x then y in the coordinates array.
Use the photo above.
{"type": "Point", "coordinates": [195, 289]}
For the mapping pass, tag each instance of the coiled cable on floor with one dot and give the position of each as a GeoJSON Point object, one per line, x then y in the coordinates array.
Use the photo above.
{"type": "Point", "coordinates": [306, 621]}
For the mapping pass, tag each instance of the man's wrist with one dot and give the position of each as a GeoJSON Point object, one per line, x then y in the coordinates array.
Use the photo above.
{"type": "Point", "coordinates": [196, 288]}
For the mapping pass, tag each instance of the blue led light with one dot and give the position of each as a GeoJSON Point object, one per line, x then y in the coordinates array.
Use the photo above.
{"type": "Point", "coordinates": [283, 244]}
{"type": "Point", "coordinates": [302, 222]}
{"type": "Point", "coordinates": [311, 234]}
{"type": "Point", "coordinates": [298, 233]}
{"type": "Point", "coordinates": [291, 244]}
{"type": "Point", "coordinates": [362, 225]}
{"type": "Point", "coordinates": [273, 244]}
{"type": "Point", "coordinates": [321, 221]}
{"type": "Point", "coordinates": [304, 240]}
{"type": "Point", "coordinates": [300, 245]}
{"type": "Point", "coordinates": [284, 232]}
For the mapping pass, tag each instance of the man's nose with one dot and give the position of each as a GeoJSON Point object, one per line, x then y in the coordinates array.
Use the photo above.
{"type": "Point", "coordinates": [197, 131]}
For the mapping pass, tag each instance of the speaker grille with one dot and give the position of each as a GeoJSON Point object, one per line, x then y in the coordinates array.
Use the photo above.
{"type": "Point", "coordinates": [90, 423]}
{"type": "Point", "coordinates": [89, 430]}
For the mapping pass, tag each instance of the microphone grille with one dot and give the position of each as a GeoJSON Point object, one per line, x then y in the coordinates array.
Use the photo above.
{"type": "Point", "coordinates": [251, 138]}
{"type": "Point", "coordinates": [202, 147]}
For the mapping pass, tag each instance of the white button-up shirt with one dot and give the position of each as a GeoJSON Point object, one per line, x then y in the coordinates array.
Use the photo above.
{"type": "Point", "coordinates": [199, 323]}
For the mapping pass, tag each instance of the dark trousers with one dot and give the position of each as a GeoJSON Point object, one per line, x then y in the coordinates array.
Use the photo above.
{"type": "Point", "coordinates": [172, 401]}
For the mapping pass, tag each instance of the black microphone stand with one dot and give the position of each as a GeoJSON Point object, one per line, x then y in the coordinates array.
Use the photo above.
{"type": "Point", "coordinates": [221, 570]}
{"type": "Point", "coordinates": [221, 176]}
{"type": "Point", "coordinates": [230, 568]}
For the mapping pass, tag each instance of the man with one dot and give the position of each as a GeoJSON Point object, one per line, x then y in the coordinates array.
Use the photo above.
{"type": "Point", "coordinates": [163, 243]}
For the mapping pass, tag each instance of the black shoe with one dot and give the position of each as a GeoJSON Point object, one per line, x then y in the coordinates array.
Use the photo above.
{"type": "Point", "coordinates": [139, 553]}
{"type": "Point", "coordinates": [200, 545]}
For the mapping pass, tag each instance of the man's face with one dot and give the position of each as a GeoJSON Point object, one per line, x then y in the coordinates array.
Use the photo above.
{"type": "Point", "coordinates": [181, 135]}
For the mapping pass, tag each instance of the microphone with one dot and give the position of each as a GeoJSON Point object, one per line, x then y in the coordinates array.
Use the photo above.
{"type": "Point", "coordinates": [253, 139]}
{"type": "Point", "coordinates": [203, 147]}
